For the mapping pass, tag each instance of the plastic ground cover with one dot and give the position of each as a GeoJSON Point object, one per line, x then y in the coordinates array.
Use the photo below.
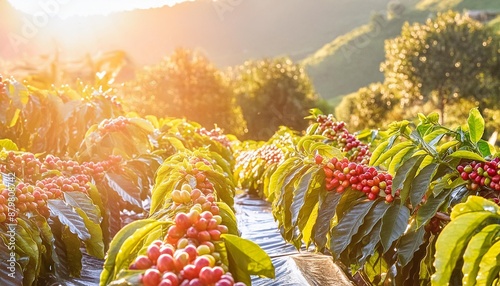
{"type": "Point", "coordinates": [256, 223]}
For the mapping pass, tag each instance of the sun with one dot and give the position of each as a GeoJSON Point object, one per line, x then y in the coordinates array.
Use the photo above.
{"type": "Point", "coordinates": [69, 8]}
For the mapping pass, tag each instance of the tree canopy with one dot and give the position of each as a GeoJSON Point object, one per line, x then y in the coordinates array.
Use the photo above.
{"type": "Point", "coordinates": [273, 92]}
{"type": "Point", "coordinates": [442, 60]}
{"type": "Point", "coordinates": [187, 84]}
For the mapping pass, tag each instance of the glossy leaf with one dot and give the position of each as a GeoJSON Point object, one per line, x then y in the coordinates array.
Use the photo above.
{"type": "Point", "coordinates": [326, 211]}
{"type": "Point", "coordinates": [489, 267]}
{"type": "Point", "coordinates": [128, 191]}
{"type": "Point", "coordinates": [391, 152]}
{"type": "Point", "coordinates": [429, 209]}
{"type": "Point", "coordinates": [476, 125]}
{"type": "Point", "coordinates": [409, 244]}
{"type": "Point", "coordinates": [420, 184]}
{"type": "Point", "coordinates": [394, 224]}
{"type": "Point", "coordinates": [247, 258]}
{"type": "Point", "coordinates": [8, 144]}
{"type": "Point", "coordinates": [68, 217]}
{"type": "Point", "coordinates": [464, 154]}
{"type": "Point", "coordinates": [452, 241]}
{"type": "Point", "coordinates": [477, 247]}
{"type": "Point", "coordinates": [348, 226]}
{"type": "Point", "coordinates": [109, 268]}
{"type": "Point", "coordinates": [405, 175]}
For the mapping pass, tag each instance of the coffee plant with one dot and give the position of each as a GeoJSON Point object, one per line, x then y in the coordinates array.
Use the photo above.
{"type": "Point", "coordinates": [383, 220]}
{"type": "Point", "coordinates": [417, 205]}
{"type": "Point", "coordinates": [256, 162]}
{"type": "Point", "coordinates": [191, 237]}
{"type": "Point", "coordinates": [53, 120]}
{"type": "Point", "coordinates": [338, 136]}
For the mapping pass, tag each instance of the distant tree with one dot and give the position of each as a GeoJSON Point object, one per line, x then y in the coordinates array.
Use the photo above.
{"type": "Point", "coordinates": [186, 85]}
{"type": "Point", "coordinates": [449, 57]}
{"type": "Point", "coordinates": [273, 92]}
{"type": "Point", "coordinates": [369, 107]}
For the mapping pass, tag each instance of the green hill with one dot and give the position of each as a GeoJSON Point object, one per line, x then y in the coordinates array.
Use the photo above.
{"type": "Point", "coordinates": [352, 60]}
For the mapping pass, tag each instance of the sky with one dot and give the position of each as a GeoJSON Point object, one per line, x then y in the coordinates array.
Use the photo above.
{"type": "Point", "coordinates": [68, 8]}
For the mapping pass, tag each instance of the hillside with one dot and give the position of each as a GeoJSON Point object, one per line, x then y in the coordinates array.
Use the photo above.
{"type": "Point", "coordinates": [352, 60]}
{"type": "Point", "coordinates": [228, 34]}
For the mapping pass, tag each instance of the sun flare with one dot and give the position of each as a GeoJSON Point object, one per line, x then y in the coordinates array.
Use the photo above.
{"type": "Point", "coordinates": [67, 8]}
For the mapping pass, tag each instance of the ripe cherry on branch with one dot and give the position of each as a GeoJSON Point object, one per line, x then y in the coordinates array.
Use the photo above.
{"type": "Point", "coordinates": [343, 174]}
{"type": "Point", "coordinates": [482, 177]}
{"type": "Point", "coordinates": [337, 132]}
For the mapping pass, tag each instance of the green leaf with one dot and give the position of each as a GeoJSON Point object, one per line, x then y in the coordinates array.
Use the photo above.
{"type": "Point", "coordinates": [464, 154]}
{"type": "Point", "coordinates": [474, 204]}
{"type": "Point", "coordinates": [403, 155]}
{"type": "Point", "coordinates": [67, 216]}
{"type": "Point", "coordinates": [228, 218]}
{"type": "Point", "coordinates": [82, 201]}
{"type": "Point", "coordinates": [162, 191]}
{"type": "Point", "coordinates": [348, 226]}
{"type": "Point", "coordinates": [421, 183]}
{"type": "Point", "coordinates": [133, 243]}
{"type": "Point", "coordinates": [14, 118]}
{"type": "Point", "coordinates": [489, 266]}
{"type": "Point", "coordinates": [409, 244]}
{"type": "Point", "coordinates": [378, 152]}
{"type": "Point", "coordinates": [371, 242]}
{"type": "Point", "coordinates": [429, 209]}
{"type": "Point", "coordinates": [300, 192]}
{"type": "Point", "coordinates": [124, 188]}
{"type": "Point", "coordinates": [8, 145]}
{"type": "Point", "coordinates": [371, 219]}
{"type": "Point", "coordinates": [128, 278]}
{"type": "Point", "coordinates": [108, 274]}
{"type": "Point", "coordinates": [94, 245]}
{"type": "Point", "coordinates": [394, 224]}
{"type": "Point", "coordinates": [310, 200]}
{"type": "Point", "coordinates": [485, 148]}
{"type": "Point", "coordinates": [307, 229]}
{"type": "Point", "coordinates": [27, 247]}
{"type": "Point", "coordinates": [348, 198]}
{"type": "Point", "coordinates": [451, 243]}
{"type": "Point", "coordinates": [476, 125]}
{"type": "Point", "coordinates": [405, 174]}
{"type": "Point", "coordinates": [279, 176]}
{"type": "Point", "coordinates": [73, 254]}
{"type": "Point", "coordinates": [476, 249]}
{"type": "Point", "coordinates": [391, 152]}
{"type": "Point", "coordinates": [433, 117]}
{"type": "Point", "coordinates": [327, 207]}
{"type": "Point", "coordinates": [247, 258]}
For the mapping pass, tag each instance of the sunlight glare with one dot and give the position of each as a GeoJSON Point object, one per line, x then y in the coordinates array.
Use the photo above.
{"type": "Point", "coordinates": [68, 8]}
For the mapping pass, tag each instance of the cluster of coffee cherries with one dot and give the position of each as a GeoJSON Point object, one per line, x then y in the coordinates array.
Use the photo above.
{"type": "Point", "coordinates": [23, 165]}
{"type": "Point", "coordinates": [30, 169]}
{"type": "Point", "coordinates": [41, 180]}
{"type": "Point", "coordinates": [71, 167]}
{"type": "Point", "coordinates": [29, 198]}
{"type": "Point", "coordinates": [337, 132]}
{"type": "Point", "coordinates": [113, 125]}
{"type": "Point", "coordinates": [270, 154]}
{"type": "Point", "coordinates": [188, 256]}
{"type": "Point", "coordinates": [202, 182]}
{"type": "Point", "coordinates": [215, 134]}
{"type": "Point", "coordinates": [343, 174]}
{"type": "Point", "coordinates": [25, 198]}
{"type": "Point", "coordinates": [481, 174]}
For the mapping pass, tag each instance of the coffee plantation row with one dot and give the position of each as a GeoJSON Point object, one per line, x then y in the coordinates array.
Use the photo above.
{"type": "Point", "coordinates": [415, 204]}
